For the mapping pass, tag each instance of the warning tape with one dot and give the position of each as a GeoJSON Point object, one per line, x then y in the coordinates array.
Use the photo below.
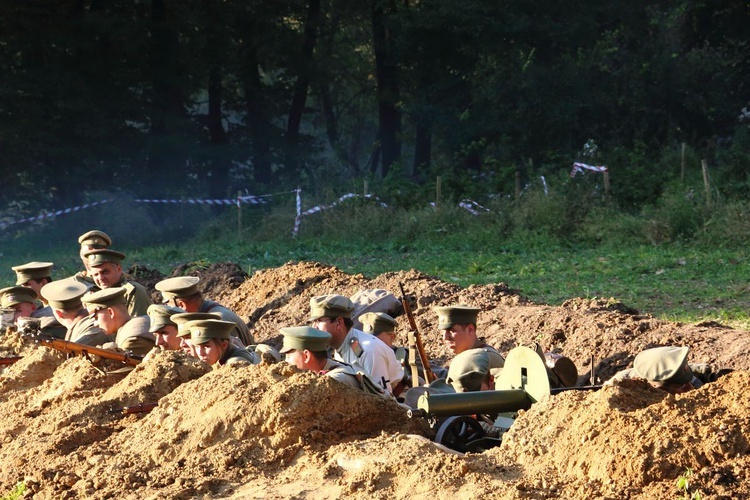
{"type": "Point", "coordinates": [49, 215]}
{"type": "Point", "coordinates": [320, 208]}
{"type": "Point", "coordinates": [580, 167]}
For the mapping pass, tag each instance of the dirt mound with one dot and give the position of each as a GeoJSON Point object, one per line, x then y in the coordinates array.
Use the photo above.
{"type": "Point", "coordinates": [216, 279]}
{"type": "Point", "coordinates": [272, 431]}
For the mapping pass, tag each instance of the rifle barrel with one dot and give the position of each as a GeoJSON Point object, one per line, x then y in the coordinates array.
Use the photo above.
{"type": "Point", "coordinates": [9, 360]}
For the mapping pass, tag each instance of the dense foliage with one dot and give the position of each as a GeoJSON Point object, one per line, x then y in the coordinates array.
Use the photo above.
{"type": "Point", "coordinates": [204, 98]}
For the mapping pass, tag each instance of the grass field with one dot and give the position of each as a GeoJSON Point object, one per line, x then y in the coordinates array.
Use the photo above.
{"type": "Point", "coordinates": [678, 282]}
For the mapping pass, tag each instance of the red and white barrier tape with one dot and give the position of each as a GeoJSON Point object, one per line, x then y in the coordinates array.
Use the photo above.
{"type": "Point", "coordinates": [580, 167]}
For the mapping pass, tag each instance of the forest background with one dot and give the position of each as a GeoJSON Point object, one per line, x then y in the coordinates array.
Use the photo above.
{"type": "Point", "coordinates": [415, 102]}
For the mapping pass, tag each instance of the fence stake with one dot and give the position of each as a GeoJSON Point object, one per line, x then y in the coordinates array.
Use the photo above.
{"type": "Point", "coordinates": [367, 187]}
{"type": "Point", "coordinates": [438, 182]}
{"type": "Point", "coordinates": [518, 183]}
{"type": "Point", "coordinates": [682, 164]}
{"type": "Point", "coordinates": [239, 216]}
{"type": "Point", "coordinates": [704, 165]}
{"type": "Point", "coordinates": [606, 183]}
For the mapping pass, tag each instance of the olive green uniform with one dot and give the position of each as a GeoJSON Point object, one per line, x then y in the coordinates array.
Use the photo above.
{"type": "Point", "coordinates": [135, 336]}
{"type": "Point", "coordinates": [240, 331]}
{"type": "Point", "coordinates": [238, 355]}
{"type": "Point", "coordinates": [85, 331]}
{"type": "Point", "coordinates": [341, 372]}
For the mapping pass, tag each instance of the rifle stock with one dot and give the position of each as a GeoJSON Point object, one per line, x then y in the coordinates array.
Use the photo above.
{"type": "Point", "coordinates": [10, 360]}
{"type": "Point", "coordinates": [428, 375]}
{"type": "Point", "coordinates": [85, 350]}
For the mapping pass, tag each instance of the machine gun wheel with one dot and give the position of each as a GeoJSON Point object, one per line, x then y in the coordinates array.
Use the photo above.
{"type": "Point", "coordinates": [461, 433]}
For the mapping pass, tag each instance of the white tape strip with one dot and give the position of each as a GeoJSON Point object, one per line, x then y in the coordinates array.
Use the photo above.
{"type": "Point", "coordinates": [580, 167]}
{"type": "Point", "coordinates": [320, 208]}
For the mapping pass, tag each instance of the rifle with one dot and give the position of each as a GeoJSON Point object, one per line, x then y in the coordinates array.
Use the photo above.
{"type": "Point", "coordinates": [139, 408]}
{"type": "Point", "coordinates": [66, 346]}
{"type": "Point", "coordinates": [9, 360]}
{"type": "Point", "coordinates": [428, 375]}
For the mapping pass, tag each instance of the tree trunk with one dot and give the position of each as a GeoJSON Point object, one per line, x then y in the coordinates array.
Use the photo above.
{"type": "Point", "coordinates": [422, 150]}
{"type": "Point", "coordinates": [260, 129]}
{"type": "Point", "coordinates": [389, 128]}
{"type": "Point", "coordinates": [304, 75]}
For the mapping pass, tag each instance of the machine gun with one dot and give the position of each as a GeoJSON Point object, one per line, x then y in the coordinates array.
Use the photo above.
{"type": "Point", "coordinates": [522, 382]}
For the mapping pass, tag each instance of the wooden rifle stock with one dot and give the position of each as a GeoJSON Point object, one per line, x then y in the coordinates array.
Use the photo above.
{"type": "Point", "coordinates": [428, 375]}
{"type": "Point", "coordinates": [139, 408]}
{"type": "Point", "coordinates": [9, 360]}
{"type": "Point", "coordinates": [85, 350]}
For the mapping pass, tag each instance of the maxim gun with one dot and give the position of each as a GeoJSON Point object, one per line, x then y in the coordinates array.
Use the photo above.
{"type": "Point", "coordinates": [470, 415]}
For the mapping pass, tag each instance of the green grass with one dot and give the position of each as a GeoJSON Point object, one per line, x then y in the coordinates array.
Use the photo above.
{"type": "Point", "coordinates": [677, 282]}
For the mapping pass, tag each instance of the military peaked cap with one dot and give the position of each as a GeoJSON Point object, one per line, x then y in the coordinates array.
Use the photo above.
{"type": "Point", "coordinates": [14, 295]}
{"type": "Point", "coordinates": [103, 256]}
{"type": "Point", "coordinates": [32, 271]}
{"type": "Point", "coordinates": [331, 306]}
{"type": "Point", "coordinates": [108, 297]}
{"type": "Point", "coordinates": [181, 319]}
{"type": "Point", "coordinates": [664, 364]}
{"type": "Point", "coordinates": [456, 315]}
{"type": "Point", "coordinates": [160, 316]}
{"type": "Point", "coordinates": [179, 287]}
{"type": "Point", "coordinates": [377, 322]}
{"type": "Point", "coordinates": [300, 338]}
{"type": "Point", "coordinates": [95, 239]}
{"type": "Point", "coordinates": [203, 330]}
{"type": "Point", "coordinates": [64, 294]}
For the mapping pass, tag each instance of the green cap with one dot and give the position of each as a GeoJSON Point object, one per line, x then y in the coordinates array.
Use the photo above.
{"type": "Point", "coordinates": [14, 295]}
{"type": "Point", "coordinates": [203, 330]}
{"type": "Point", "coordinates": [331, 306]}
{"type": "Point", "coordinates": [64, 294]}
{"type": "Point", "coordinates": [179, 287]}
{"type": "Point", "coordinates": [95, 239]}
{"type": "Point", "coordinates": [103, 256]}
{"type": "Point", "coordinates": [32, 271]}
{"type": "Point", "coordinates": [181, 319]}
{"type": "Point", "coordinates": [468, 369]}
{"type": "Point", "coordinates": [377, 323]}
{"type": "Point", "coordinates": [160, 316]}
{"type": "Point", "coordinates": [664, 364]}
{"type": "Point", "coordinates": [456, 315]}
{"type": "Point", "coordinates": [300, 338]}
{"type": "Point", "coordinates": [104, 298]}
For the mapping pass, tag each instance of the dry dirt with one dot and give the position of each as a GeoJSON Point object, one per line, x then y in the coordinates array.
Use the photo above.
{"type": "Point", "coordinates": [270, 431]}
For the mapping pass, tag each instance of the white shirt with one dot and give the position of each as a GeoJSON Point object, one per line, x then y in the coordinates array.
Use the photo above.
{"type": "Point", "coordinates": [377, 359]}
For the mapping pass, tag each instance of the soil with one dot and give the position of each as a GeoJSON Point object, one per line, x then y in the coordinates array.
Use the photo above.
{"type": "Point", "coordinates": [272, 431]}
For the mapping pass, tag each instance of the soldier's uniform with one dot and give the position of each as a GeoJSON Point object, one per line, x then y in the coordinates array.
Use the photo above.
{"type": "Point", "coordinates": [665, 367]}
{"type": "Point", "coordinates": [38, 271]}
{"type": "Point", "coordinates": [186, 286]}
{"type": "Point", "coordinates": [358, 348]}
{"type": "Point", "coordinates": [91, 240]}
{"type": "Point", "coordinates": [204, 330]}
{"type": "Point", "coordinates": [14, 295]}
{"type": "Point", "coordinates": [65, 295]}
{"type": "Point", "coordinates": [136, 296]}
{"type": "Point", "coordinates": [306, 338]}
{"type": "Point", "coordinates": [379, 324]}
{"type": "Point", "coordinates": [134, 334]}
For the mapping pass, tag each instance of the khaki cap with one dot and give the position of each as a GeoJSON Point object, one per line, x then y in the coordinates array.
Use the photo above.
{"type": "Point", "coordinates": [203, 330]}
{"type": "Point", "coordinates": [104, 298]}
{"type": "Point", "coordinates": [178, 288]}
{"type": "Point", "coordinates": [160, 316]}
{"type": "Point", "coordinates": [95, 239]}
{"type": "Point", "coordinates": [300, 338]}
{"type": "Point", "coordinates": [103, 256]}
{"type": "Point", "coordinates": [456, 315]}
{"type": "Point", "coordinates": [181, 319]}
{"type": "Point", "coordinates": [14, 295]}
{"type": "Point", "coordinates": [32, 271]}
{"type": "Point", "coordinates": [331, 306]}
{"type": "Point", "coordinates": [377, 323]}
{"type": "Point", "coordinates": [64, 294]}
{"type": "Point", "coordinates": [664, 364]}
{"type": "Point", "coordinates": [468, 369]}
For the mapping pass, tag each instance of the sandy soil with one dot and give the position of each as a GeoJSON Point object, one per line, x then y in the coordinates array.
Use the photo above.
{"type": "Point", "coordinates": [270, 431]}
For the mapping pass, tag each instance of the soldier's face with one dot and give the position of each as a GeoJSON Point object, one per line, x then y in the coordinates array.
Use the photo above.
{"type": "Point", "coordinates": [210, 352]}
{"type": "Point", "coordinates": [107, 274]}
{"type": "Point", "coordinates": [167, 339]}
{"type": "Point", "coordinates": [459, 338]}
{"type": "Point", "coordinates": [295, 358]}
{"type": "Point", "coordinates": [104, 319]}
{"type": "Point", "coordinates": [24, 309]}
{"type": "Point", "coordinates": [186, 346]}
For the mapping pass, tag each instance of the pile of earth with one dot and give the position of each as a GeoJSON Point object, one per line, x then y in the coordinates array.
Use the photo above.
{"type": "Point", "coordinates": [272, 431]}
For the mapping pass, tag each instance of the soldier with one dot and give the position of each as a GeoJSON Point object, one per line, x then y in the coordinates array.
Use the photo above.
{"type": "Point", "coordinates": [383, 327]}
{"type": "Point", "coordinates": [183, 333]}
{"type": "Point", "coordinates": [64, 298]}
{"type": "Point", "coordinates": [110, 310]}
{"type": "Point", "coordinates": [35, 275]}
{"type": "Point", "coordinates": [106, 269]}
{"type": "Point", "coordinates": [459, 326]}
{"type": "Point", "coordinates": [210, 338]}
{"type": "Point", "coordinates": [665, 368]}
{"type": "Point", "coordinates": [307, 349]}
{"type": "Point", "coordinates": [163, 327]}
{"type": "Point", "coordinates": [183, 292]}
{"type": "Point", "coordinates": [91, 240]}
{"type": "Point", "coordinates": [23, 300]}
{"type": "Point", "coordinates": [332, 314]}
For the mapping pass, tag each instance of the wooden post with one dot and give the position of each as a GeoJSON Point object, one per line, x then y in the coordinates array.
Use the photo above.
{"type": "Point", "coordinates": [706, 184]}
{"type": "Point", "coordinates": [682, 164]}
{"type": "Point", "coordinates": [367, 188]}
{"type": "Point", "coordinates": [239, 216]}
{"type": "Point", "coordinates": [518, 183]}
{"type": "Point", "coordinates": [438, 188]}
{"type": "Point", "coordinates": [606, 183]}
